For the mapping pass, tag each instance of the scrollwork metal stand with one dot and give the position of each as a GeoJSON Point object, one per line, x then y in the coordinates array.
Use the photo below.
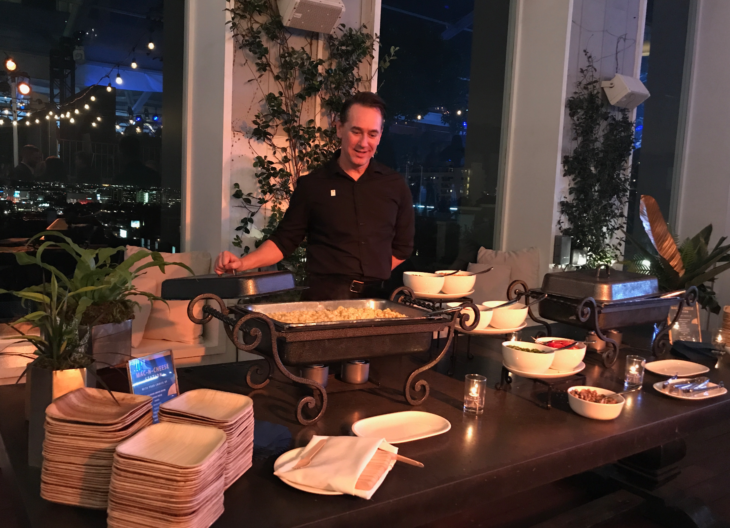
{"type": "Point", "coordinates": [415, 390]}
{"type": "Point", "coordinates": [661, 344]}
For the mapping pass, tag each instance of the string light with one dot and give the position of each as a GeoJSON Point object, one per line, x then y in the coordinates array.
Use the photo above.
{"type": "Point", "coordinates": [24, 88]}
{"type": "Point", "coordinates": [119, 80]}
{"type": "Point", "coordinates": [71, 120]}
{"type": "Point", "coordinates": [151, 45]}
{"type": "Point", "coordinates": [93, 98]}
{"type": "Point", "coordinates": [93, 124]}
{"type": "Point", "coordinates": [109, 87]}
{"type": "Point", "coordinates": [134, 64]}
{"type": "Point", "coordinates": [419, 117]}
{"type": "Point", "coordinates": [458, 112]}
{"type": "Point", "coordinates": [68, 114]}
{"type": "Point", "coordinates": [116, 126]}
{"type": "Point", "coordinates": [86, 106]}
{"type": "Point", "coordinates": [27, 123]}
{"type": "Point", "coordinates": [57, 118]}
{"type": "Point", "coordinates": [37, 121]}
{"type": "Point", "coordinates": [15, 123]}
{"type": "Point", "coordinates": [76, 111]}
{"type": "Point", "coordinates": [10, 64]}
{"type": "Point", "coordinates": [50, 113]}
{"type": "Point", "coordinates": [1, 122]}
{"type": "Point", "coordinates": [138, 130]}
{"type": "Point", "coordinates": [48, 117]}
{"type": "Point", "coordinates": [98, 118]}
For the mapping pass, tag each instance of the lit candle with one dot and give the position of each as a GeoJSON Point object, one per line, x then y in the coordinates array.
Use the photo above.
{"type": "Point", "coordinates": [474, 393]}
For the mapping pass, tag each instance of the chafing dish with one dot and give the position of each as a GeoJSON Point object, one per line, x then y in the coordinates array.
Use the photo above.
{"type": "Point", "coordinates": [283, 345]}
{"type": "Point", "coordinates": [605, 299]}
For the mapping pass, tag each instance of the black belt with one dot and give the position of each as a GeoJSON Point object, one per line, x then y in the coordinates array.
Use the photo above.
{"type": "Point", "coordinates": [358, 286]}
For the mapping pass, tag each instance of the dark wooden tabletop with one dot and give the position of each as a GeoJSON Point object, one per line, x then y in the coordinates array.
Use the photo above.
{"type": "Point", "coordinates": [514, 446]}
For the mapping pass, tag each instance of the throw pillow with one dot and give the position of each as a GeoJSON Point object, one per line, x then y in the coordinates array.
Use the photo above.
{"type": "Point", "coordinates": [525, 263]}
{"type": "Point", "coordinates": [198, 261]}
{"type": "Point", "coordinates": [490, 286]}
{"type": "Point", "coordinates": [141, 312]}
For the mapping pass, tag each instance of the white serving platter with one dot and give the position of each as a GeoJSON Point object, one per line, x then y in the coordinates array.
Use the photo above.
{"type": "Point", "coordinates": [676, 367]}
{"type": "Point", "coordinates": [549, 374]}
{"type": "Point", "coordinates": [444, 296]}
{"type": "Point", "coordinates": [704, 395]}
{"type": "Point", "coordinates": [490, 330]}
{"type": "Point", "coordinates": [290, 455]}
{"type": "Point", "coordinates": [406, 426]}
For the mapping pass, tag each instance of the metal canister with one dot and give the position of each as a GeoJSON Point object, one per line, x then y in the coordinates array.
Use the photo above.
{"type": "Point", "coordinates": [316, 373]}
{"type": "Point", "coordinates": [356, 371]}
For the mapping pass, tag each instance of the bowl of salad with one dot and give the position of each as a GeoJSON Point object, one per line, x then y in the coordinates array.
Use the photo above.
{"type": "Point", "coordinates": [527, 357]}
{"type": "Point", "coordinates": [568, 358]}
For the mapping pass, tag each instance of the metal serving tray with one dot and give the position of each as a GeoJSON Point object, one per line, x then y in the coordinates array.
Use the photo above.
{"type": "Point", "coordinates": [327, 342]}
{"type": "Point", "coordinates": [411, 313]}
{"type": "Point", "coordinates": [611, 315]}
{"type": "Point", "coordinates": [228, 286]}
{"type": "Point", "coordinates": [603, 285]}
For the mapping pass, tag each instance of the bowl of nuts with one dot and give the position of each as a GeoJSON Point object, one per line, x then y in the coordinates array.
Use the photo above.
{"type": "Point", "coordinates": [595, 403]}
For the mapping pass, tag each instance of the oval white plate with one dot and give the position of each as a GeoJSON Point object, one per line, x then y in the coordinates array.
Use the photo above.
{"type": "Point", "coordinates": [490, 330]}
{"type": "Point", "coordinates": [705, 395]}
{"type": "Point", "coordinates": [550, 374]}
{"type": "Point", "coordinates": [400, 427]}
{"type": "Point", "coordinates": [286, 457]}
{"type": "Point", "coordinates": [445, 296]}
{"type": "Point", "coordinates": [678, 367]}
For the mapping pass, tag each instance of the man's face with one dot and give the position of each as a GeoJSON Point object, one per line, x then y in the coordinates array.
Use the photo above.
{"type": "Point", "coordinates": [32, 158]}
{"type": "Point", "coordinates": [360, 135]}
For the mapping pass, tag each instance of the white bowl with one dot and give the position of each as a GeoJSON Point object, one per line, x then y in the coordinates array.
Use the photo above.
{"type": "Point", "coordinates": [462, 282]}
{"type": "Point", "coordinates": [484, 317]}
{"type": "Point", "coordinates": [510, 317]}
{"type": "Point", "coordinates": [421, 282]}
{"type": "Point", "coordinates": [597, 411]}
{"type": "Point", "coordinates": [566, 360]}
{"type": "Point", "coordinates": [532, 362]}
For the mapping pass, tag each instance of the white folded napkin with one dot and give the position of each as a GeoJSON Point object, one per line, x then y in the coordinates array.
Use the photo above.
{"type": "Point", "coordinates": [338, 465]}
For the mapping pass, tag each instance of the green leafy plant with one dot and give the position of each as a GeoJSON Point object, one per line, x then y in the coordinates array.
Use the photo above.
{"type": "Point", "coordinates": [100, 287]}
{"type": "Point", "coordinates": [60, 344]}
{"type": "Point", "coordinates": [286, 126]}
{"type": "Point", "coordinates": [98, 292]}
{"type": "Point", "coordinates": [598, 168]}
{"type": "Point", "coordinates": [693, 263]}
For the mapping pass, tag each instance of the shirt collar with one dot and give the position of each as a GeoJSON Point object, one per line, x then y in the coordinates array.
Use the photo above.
{"type": "Point", "coordinates": [334, 167]}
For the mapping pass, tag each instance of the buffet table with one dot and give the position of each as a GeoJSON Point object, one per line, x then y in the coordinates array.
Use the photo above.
{"type": "Point", "coordinates": [515, 445]}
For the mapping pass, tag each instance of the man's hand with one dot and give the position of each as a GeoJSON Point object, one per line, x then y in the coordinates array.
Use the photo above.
{"type": "Point", "coordinates": [227, 262]}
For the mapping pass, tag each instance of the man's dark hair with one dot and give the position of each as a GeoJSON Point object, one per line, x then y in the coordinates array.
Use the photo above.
{"type": "Point", "coordinates": [129, 146]}
{"type": "Point", "coordinates": [27, 150]}
{"type": "Point", "coordinates": [366, 99]}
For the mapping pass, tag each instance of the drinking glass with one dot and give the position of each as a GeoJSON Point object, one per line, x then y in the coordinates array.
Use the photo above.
{"type": "Point", "coordinates": [475, 393]}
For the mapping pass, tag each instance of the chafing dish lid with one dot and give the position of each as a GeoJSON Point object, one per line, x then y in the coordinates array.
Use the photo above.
{"type": "Point", "coordinates": [603, 284]}
{"type": "Point", "coordinates": [228, 286]}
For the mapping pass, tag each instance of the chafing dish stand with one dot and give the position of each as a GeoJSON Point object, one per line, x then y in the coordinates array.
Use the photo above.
{"type": "Point", "coordinates": [601, 316]}
{"type": "Point", "coordinates": [282, 347]}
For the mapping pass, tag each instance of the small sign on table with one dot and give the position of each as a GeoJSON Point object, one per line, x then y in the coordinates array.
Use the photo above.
{"type": "Point", "coordinates": [155, 376]}
{"type": "Point", "coordinates": [687, 327]}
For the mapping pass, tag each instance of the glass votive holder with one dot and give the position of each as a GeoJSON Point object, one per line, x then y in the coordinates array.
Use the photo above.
{"type": "Point", "coordinates": [634, 374]}
{"type": "Point", "coordinates": [475, 393]}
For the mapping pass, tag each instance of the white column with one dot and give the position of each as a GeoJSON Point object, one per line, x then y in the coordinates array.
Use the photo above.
{"type": "Point", "coordinates": [526, 212]}
{"type": "Point", "coordinates": [207, 127]}
{"type": "Point", "coordinates": [703, 187]}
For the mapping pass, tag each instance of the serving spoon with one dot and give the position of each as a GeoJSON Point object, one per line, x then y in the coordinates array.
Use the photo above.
{"type": "Point", "coordinates": [472, 274]}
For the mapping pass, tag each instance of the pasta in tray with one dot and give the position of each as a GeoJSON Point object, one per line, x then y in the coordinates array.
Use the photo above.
{"type": "Point", "coordinates": [340, 314]}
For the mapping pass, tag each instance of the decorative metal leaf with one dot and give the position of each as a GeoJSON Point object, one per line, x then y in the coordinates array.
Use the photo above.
{"type": "Point", "coordinates": [658, 232]}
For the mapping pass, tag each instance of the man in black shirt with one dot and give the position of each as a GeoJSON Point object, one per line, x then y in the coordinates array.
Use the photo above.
{"type": "Point", "coordinates": [356, 214]}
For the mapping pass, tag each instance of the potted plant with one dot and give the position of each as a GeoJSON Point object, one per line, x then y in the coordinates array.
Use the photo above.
{"type": "Point", "coordinates": [107, 291]}
{"type": "Point", "coordinates": [593, 213]}
{"type": "Point", "coordinates": [68, 310]}
{"type": "Point", "coordinates": [692, 263]}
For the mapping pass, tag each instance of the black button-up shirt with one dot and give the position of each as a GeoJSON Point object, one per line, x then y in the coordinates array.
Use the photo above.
{"type": "Point", "coordinates": [352, 227]}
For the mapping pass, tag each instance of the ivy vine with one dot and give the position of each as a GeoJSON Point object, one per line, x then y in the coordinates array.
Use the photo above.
{"type": "Point", "coordinates": [599, 171]}
{"type": "Point", "coordinates": [294, 141]}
